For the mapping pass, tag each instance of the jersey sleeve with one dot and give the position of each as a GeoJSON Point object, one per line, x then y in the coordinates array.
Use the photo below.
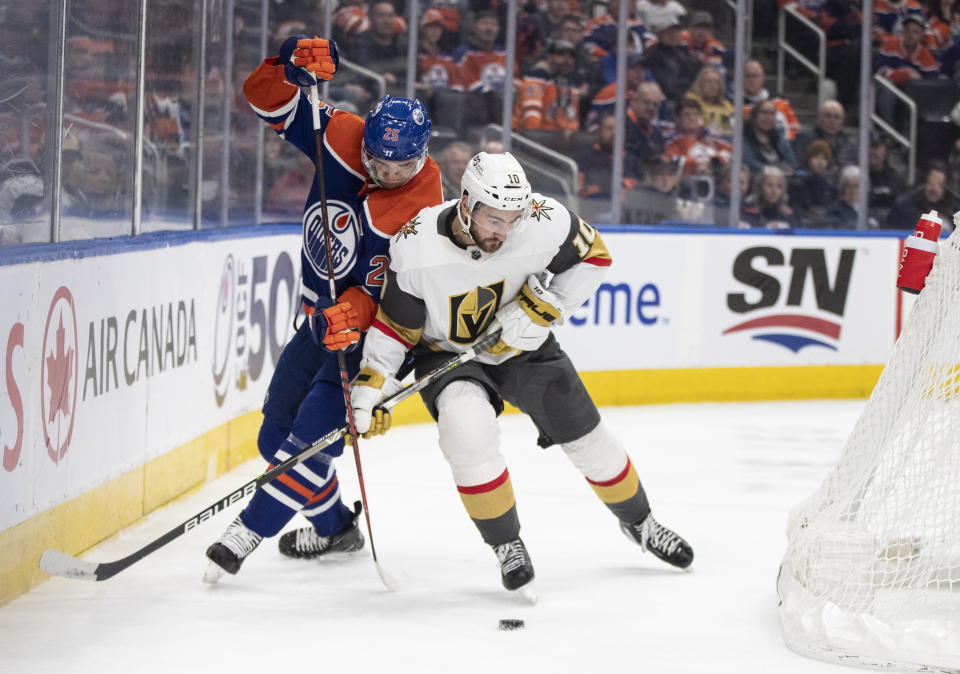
{"type": "Point", "coordinates": [396, 328]}
{"type": "Point", "coordinates": [286, 109]}
{"type": "Point", "coordinates": [579, 265]}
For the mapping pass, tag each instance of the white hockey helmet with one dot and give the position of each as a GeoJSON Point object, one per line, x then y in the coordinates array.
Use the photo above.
{"type": "Point", "coordinates": [496, 180]}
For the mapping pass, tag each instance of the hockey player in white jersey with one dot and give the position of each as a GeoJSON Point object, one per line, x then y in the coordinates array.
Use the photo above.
{"type": "Point", "coordinates": [501, 258]}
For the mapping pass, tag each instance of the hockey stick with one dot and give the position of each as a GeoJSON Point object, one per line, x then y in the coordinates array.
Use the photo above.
{"type": "Point", "coordinates": [57, 563]}
{"type": "Point", "coordinates": [352, 435]}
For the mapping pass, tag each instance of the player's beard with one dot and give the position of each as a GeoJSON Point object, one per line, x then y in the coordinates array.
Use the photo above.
{"type": "Point", "coordinates": [491, 244]}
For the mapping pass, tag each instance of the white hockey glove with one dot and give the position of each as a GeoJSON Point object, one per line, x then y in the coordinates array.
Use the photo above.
{"type": "Point", "coordinates": [366, 390]}
{"type": "Point", "coordinates": [525, 323]}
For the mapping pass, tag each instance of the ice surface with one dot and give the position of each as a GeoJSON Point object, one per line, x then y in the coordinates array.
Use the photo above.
{"type": "Point", "coordinates": [722, 475]}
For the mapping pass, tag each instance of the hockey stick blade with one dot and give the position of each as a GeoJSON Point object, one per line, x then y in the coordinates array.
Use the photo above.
{"type": "Point", "coordinates": [57, 563]}
{"type": "Point", "coordinates": [60, 564]}
{"type": "Point", "coordinates": [388, 581]}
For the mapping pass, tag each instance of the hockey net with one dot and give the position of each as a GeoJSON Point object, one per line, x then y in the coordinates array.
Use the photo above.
{"type": "Point", "coordinates": [871, 575]}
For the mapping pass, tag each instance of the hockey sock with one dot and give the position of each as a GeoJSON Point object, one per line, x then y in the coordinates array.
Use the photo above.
{"type": "Point", "coordinates": [470, 441]}
{"type": "Point", "coordinates": [312, 485]}
{"type": "Point", "coordinates": [610, 473]}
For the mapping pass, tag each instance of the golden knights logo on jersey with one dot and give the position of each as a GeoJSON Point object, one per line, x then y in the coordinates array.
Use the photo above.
{"type": "Point", "coordinates": [539, 209]}
{"type": "Point", "coordinates": [409, 229]}
{"type": "Point", "coordinates": [472, 312]}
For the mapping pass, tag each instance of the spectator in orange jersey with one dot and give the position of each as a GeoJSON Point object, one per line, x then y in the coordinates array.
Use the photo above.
{"type": "Point", "coordinates": [889, 15]}
{"type": "Point", "coordinates": [380, 48]}
{"type": "Point", "coordinates": [436, 68]}
{"type": "Point", "coordinates": [700, 42]}
{"type": "Point", "coordinates": [482, 63]}
{"type": "Point", "coordinates": [754, 92]}
{"type": "Point", "coordinates": [904, 57]}
{"type": "Point", "coordinates": [549, 98]}
{"type": "Point", "coordinates": [707, 90]}
{"type": "Point", "coordinates": [696, 150]}
{"type": "Point", "coordinates": [943, 22]}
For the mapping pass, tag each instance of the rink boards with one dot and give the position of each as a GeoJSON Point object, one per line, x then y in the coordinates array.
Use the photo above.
{"type": "Point", "coordinates": [133, 370]}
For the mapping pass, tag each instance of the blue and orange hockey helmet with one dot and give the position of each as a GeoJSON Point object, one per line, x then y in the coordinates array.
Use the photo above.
{"type": "Point", "coordinates": [396, 130]}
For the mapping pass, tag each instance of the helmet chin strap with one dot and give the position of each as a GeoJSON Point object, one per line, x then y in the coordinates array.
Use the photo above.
{"type": "Point", "coordinates": [465, 226]}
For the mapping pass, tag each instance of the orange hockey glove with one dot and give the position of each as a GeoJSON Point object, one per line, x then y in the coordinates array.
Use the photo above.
{"type": "Point", "coordinates": [334, 326]}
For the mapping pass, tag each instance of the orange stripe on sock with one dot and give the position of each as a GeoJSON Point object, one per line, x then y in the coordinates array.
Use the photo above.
{"type": "Point", "coordinates": [326, 492]}
{"type": "Point", "coordinates": [295, 486]}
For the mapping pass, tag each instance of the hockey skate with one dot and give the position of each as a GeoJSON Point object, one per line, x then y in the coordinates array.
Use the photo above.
{"type": "Point", "coordinates": [228, 553]}
{"type": "Point", "coordinates": [306, 543]}
{"type": "Point", "coordinates": [663, 543]}
{"type": "Point", "coordinates": [516, 569]}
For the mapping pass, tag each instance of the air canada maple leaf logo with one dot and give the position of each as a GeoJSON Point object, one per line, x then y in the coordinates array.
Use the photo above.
{"type": "Point", "coordinates": [59, 364]}
{"type": "Point", "coordinates": [409, 229]}
{"type": "Point", "coordinates": [58, 372]}
{"type": "Point", "coordinates": [539, 209]}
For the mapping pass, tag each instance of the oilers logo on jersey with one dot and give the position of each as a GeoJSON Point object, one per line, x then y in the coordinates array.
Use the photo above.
{"type": "Point", "coordinates": [345, 235]}
{"type": "Point", "coordinates": [493, 76]}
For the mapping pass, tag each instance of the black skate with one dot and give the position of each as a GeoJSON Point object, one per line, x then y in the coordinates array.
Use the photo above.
{"type": "Point", "coordinates": [306, 543]}
{"type": "Point", "coordinates": [516, 569]}
{"type": "Point", "coordinates": [663, 543]}
{"type": "Point", "coordinates": [228, 553]}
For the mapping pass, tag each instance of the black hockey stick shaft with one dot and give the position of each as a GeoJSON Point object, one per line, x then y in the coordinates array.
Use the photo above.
{"type": "Point", "coordinates": [331, 280]}
{"type": "Point", "coordinates": [60, 564]}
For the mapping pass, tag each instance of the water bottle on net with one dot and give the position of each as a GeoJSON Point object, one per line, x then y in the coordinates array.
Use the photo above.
{"type": "Point", "coordinates": [919, 249]}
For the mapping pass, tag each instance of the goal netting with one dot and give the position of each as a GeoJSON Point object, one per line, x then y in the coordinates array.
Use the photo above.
{"type": "Point", "coordinates": [871, 575]}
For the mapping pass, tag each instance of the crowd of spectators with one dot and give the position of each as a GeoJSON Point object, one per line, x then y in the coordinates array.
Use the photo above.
{"type": "Point", "coordinates": [679, 112]}
{"type": "Point", "coordinates": [677, 91]}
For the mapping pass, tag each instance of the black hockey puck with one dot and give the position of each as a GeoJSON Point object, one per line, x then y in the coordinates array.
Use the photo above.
{"type": "Point", "coordinates": [510, 624]}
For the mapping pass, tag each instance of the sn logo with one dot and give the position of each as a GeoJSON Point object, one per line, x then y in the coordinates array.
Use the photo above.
{"type": "Point", "coordinates": [804, 263]}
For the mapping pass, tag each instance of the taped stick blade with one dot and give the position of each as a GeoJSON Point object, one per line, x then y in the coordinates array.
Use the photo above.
{"type": "Point", "coordinates": [57, 563]}
{"type": "Point", "coordinates": [388, 581]}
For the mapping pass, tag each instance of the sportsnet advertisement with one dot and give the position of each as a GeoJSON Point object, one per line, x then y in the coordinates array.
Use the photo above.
{"type": "Point", "coordinates": [112, 360]}
{"type": "Point", "coordinates": [731, 300]}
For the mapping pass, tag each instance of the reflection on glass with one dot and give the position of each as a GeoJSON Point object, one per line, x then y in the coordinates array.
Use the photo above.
{"type": "Point", "coordinates": [98, 108]}
{"type": "Point", "coordinates": [215, 135]}
{"type": "Point", "coordinates": [244, 125]}
{"type": "Point", "coordinates": [169, 99]}
{"type": "Point", "coordinates": [24, 81]}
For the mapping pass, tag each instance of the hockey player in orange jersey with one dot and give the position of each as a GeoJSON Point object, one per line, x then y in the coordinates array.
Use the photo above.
{"type": "Point", "coordinates": [377, 177]}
